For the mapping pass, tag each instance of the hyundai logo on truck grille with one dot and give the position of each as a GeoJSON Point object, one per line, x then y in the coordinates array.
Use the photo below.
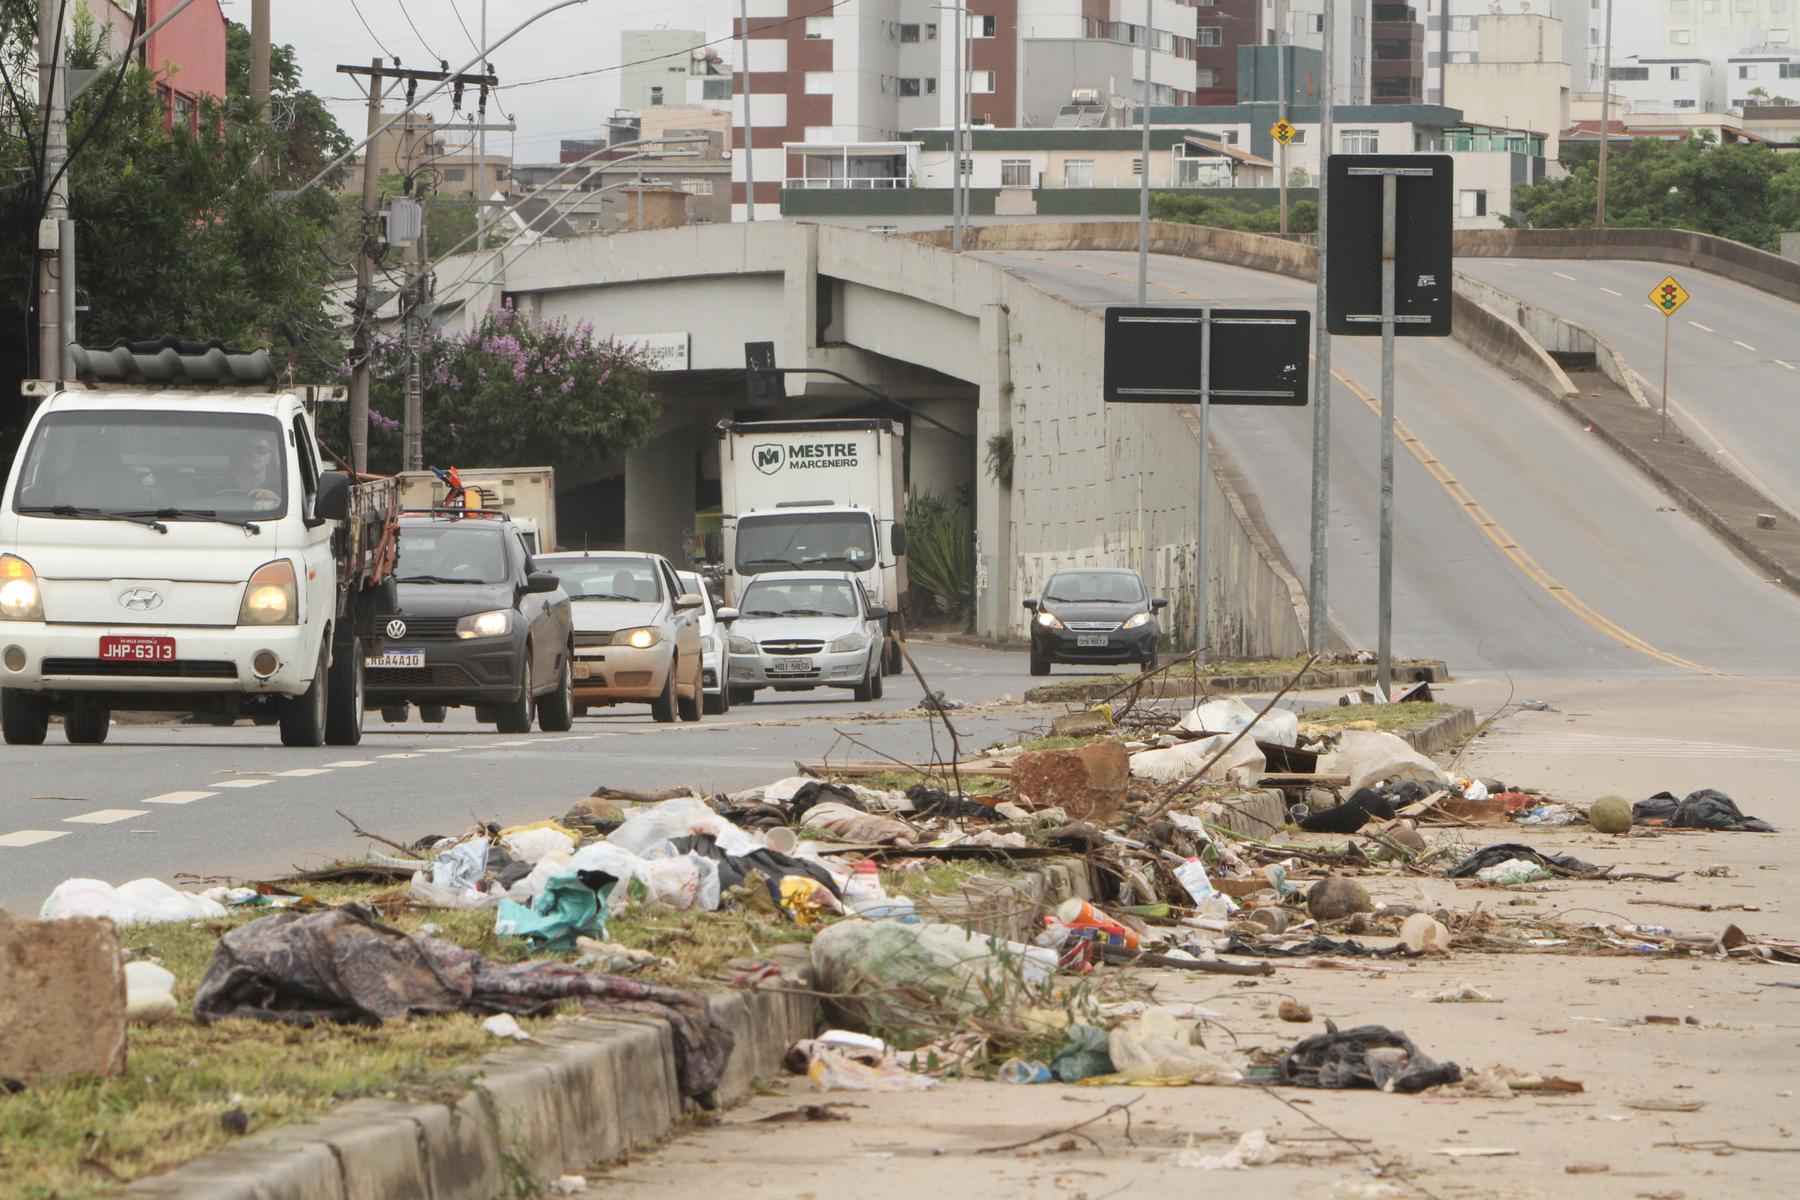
{"type": "Point", "coordinates": [140, 599]}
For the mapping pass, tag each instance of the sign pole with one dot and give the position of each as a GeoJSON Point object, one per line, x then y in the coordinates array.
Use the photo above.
{"type": "Point", "coordinates": [1667, 322]}
{"type": "Point", "coordinates": [1390, 186]}
{"type": "Point", "coordinates": [1200, 621]}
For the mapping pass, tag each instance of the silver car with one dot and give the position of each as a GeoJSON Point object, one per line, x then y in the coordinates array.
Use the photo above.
{"type": "Point", "coordinates": [713, 621]}
{"type": "Point", "coordinates": [800, 630]}
{"type": "Point", "coordinates": [637, 633]}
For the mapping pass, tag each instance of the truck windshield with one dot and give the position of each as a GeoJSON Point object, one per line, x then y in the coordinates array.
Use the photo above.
{"type": "Point", "coordinates": [443, 553]}
{"type": "Point", "coordinates": [790, 541]}
{"type": "Point", "coordinates": [799, 598]}
{"type": "Point", "coordinates": [217, 465]}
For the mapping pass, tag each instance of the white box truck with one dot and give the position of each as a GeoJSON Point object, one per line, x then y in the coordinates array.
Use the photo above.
{"type": "Point", "coordinates": [527, 495]}
{"type": "Point", "coordinates": [826, 494]}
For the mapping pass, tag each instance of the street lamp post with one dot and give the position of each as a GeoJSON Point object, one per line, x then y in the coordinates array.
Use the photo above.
{"type": "Point", "coordinates": [1605, 120]}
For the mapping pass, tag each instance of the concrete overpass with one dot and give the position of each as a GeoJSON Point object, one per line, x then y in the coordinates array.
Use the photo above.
{"type": "Point", "coordinates": [1521, 545]}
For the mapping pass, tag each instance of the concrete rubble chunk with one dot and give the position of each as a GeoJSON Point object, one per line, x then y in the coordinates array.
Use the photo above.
{"type": "Point", "coordinates": [1336, 897]}
{"type": "Point", "coordinates": [62, 999]}
{"type": "Point", "coordinates": [1088, 783]}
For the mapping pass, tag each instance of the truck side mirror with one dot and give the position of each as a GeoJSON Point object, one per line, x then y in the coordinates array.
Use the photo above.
{"type": "Point", "coordinates": [877, 613]}
{"type": "Point", "coordinates": [333, 500]}
{"type": "Point", "coordinates": [714, 547]}
{"type": "Point", "coordinates": [897, 540]}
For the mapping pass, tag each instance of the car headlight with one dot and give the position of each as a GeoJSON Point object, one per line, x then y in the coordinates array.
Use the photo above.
{"type": "Point", "coordinates": [742, 645]}
{"type": "Point", "coordinates": [1049, 620]}
{"type": "Point", "coordinates": [849, 643]}
{"type": "Point", "coordinates": [20, 599]}
{"type": "Point", "coordinates": [485, 625]}
{"type": "Point", "coordinates": [271, 598]}
{"type": "Point", "coordinates": [639, 639]}
{"type": "Point", "coordinates": [1137, 619]}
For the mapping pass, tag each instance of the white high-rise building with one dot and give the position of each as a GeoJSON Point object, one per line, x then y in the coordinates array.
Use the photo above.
{"type": "Point", "coordinates": [1451, 29]}
{"type": "Point", "coordinates": [1351, 40]}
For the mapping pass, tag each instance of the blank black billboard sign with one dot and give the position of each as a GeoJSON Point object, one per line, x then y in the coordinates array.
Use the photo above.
{"type": "Point", "coordinates": [1423, 216]}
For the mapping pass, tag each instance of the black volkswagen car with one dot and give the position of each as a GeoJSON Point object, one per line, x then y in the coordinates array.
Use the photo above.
{"type": "Point", "coordinates": [1100, 616]}
{"type": "Point", "coordinates": [477, 626]}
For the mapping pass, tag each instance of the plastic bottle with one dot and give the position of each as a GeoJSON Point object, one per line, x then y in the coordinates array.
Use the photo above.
{"type": "Point", "coordinates": [1019, 1070]}
{"type": "Point", "coordinates": [1078, 914]}
{"type": "Point", "coordinates": [864, 889]}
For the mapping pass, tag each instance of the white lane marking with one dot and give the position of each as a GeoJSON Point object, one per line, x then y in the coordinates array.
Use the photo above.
{"type": "Point", "coordinates": [107, 816]}
{"type": "Point", "coordinates": [1652, 308]}
{"type": "Point", "coordinates": [1744, 345]}
{"type": "Point", "coordinates": [303, 772]}
{"type": "Point", "coordinates": [1610, 292]}
{"type": "Point", "coordinates": [179, 797]}
{"type": "Point", "coordinates": [30, 837]}
{"type": "Point", "coordinates": [526, 742]}
{"type": "Point", "coordinates": [1790, 366]}
{"type": "Point", "coordinates": [353, 762]}
{"type": "Point", "coordinates": [401, 755]}
{"type": "Point", "coordinates": [1560, 275]}
{"type": "Point", "coordinates": [1700, 327]}
{"type": "Point", "coordinates": [242, 783]}
{"type": "Point", "coordinates": [443, 750]}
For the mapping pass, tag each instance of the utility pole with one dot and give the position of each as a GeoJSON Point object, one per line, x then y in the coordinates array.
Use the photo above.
{"type": "Point", "coordinates": [1319, 620]}
{"type": "Point", "coordinates": [956, 138]}
{"type": "Point", "coordinates": [481, 199]}
{"type": "Point", "coordinates": [54, 259]}
{"type": "Point", "coordinates": [749, 152]}
{"type": "Point", "coordinates": [378, 75]}
{"type": "Point", "coordinates": [1282, 97]}
{"type": "Point", "coordinates": [259, 57]}
{"type": "Point", "coordinates": [1605, 121]}
{"type": "Point", "coordinates": [1143, 279]}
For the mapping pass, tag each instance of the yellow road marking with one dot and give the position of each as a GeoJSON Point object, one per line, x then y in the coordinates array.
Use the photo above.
{"type": "Point", "coordinates": [1508, 545]}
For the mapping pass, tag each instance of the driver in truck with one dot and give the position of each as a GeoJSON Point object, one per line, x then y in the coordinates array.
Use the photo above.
{"type": "Point", "coordinates": [253, 470]}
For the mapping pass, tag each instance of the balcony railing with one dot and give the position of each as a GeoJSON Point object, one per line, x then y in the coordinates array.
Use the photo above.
{"type": "Point", "coordinates": [849, 183]}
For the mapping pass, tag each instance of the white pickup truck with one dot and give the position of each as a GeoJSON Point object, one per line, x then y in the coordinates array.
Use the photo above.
{"type": "Point", "coordinates": [173, 542]}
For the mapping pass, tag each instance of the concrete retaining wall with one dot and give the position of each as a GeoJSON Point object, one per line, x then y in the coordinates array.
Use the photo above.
{"type": "Point", "coordinates": [1734, 260]}
{"type": "Point", "coordinates": [1501, 341]}
{"type": "Point", "coordinates": [1556, 334]}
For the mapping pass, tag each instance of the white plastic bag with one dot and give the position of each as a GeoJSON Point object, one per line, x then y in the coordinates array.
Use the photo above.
{"type": "Point", "coordinates": [1229, 714]}
{"type": "Point", "coordinates": [1158, 1045]}
{"type": "Point", "coordinates": [140, 902]}
{"type": "Point", "coordinates": [461, 867]}
{"type": "Point", "coordinates": [425, 891]}
{"type": "Point", "coordinates": [1368, 756]}
{"type": "Point", "coordinates": [149, 992]}
{"type": "Point", "coordinates": [1243, 764]}
{"type": "Point", "coordinates": [649, 827]}
{"type": "Point", "coordinates": [675, 882]}
{"type": "Point", "coordinates": [534, 845]}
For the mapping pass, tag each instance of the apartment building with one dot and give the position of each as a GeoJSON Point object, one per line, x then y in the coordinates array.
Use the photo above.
{"type": "Point", "coordinates": [1452, 35]}
{"type": "Point", "coordinates": [1397, 54]}
{"type": "Point", "coordinates": [1520, 80]}
{"type": "Point", "coordinates": [861, 74]}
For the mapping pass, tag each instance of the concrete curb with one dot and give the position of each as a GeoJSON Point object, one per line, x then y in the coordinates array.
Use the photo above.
{"type": "Point", "coordinates": [1430, 670]}
{"type": "Point", "coordinates": [588, 1090]}
{"type": "Point", "coordinates": [1442, 733]}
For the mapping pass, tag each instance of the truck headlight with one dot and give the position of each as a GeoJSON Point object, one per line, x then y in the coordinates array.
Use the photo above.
{"type": "Point", "coordinates": [1049, 620]}
{"type": "Point", "coordinates": [485, 625]}
{"type": "Point", "coordinates": [1137, 619]}
{"type": "Point", "coordinates": [742, 645]}
{"type": "Point", "coordinates": [849, 643]}
{"type": "Point", "coordinates": [270, 598]}
{"type": "Point", "coordinates": [639, 639]}
{"type": "Point", "coordinates": [20, 599]}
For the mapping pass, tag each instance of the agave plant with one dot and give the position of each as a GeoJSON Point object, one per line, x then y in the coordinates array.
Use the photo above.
{"type": "Point", "coordinates": [940, 555]}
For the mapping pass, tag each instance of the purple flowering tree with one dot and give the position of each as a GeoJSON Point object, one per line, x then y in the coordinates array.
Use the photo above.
{"type": "Point", "coordinates": [514, 392]}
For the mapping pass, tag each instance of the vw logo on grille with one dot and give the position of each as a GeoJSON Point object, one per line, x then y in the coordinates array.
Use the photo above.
{"type": "Point", "coordinates": [396, 628]}
{"type": "Point", "coordinates": [140, 599]}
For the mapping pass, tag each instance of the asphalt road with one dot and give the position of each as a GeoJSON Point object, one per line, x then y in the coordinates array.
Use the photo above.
{"type": "Point", "coordinates": [158, 800]}
{"type": "Point", "coordinates": [1734, 352]}
{"type": "Point", "coordinates": [1538, 551]}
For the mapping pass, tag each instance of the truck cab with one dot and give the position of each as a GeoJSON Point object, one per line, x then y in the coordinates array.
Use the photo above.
{"type": "Point", "coordinates": [179, 548]}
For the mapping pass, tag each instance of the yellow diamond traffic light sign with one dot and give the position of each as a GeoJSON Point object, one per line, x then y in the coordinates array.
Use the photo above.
{"type": "Point", "coordinates": [1668, 296]}
{"type": "Point", "coordinates": [1282, 131]}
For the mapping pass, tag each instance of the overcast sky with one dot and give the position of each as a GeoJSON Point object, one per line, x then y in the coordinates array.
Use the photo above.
{"type": "Point", "coordinates": [584, 37]}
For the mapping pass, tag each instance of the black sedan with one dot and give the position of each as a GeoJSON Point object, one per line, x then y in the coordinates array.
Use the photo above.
{"type": "Point", "coordinates": [1100, 616]}
{"type": "Point", "coordinates": [478, 625]}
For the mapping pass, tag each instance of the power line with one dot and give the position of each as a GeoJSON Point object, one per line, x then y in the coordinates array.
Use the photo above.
{"type": "Point", "coordinates": [730, 37]}
{"type": "Point", "coordinates": [473, 44]}
{"type": "Point", "coordinates": [420, 36]}
{"type": "Point", "coordinates": [379, 44]}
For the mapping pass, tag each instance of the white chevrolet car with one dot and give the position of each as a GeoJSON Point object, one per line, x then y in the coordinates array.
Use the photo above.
{"type": "Point", "coordinates": [800, 630]}
{"type": "Point", "coordinates": [714, 619]}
